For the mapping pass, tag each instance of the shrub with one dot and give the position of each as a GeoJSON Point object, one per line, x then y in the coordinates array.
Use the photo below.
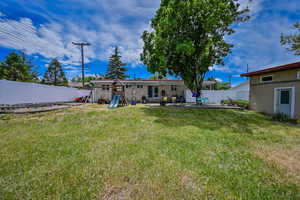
{"type": "Point", "coordinates": [240, 103]}
{"type": "Point", "coordinates": [281, 117]}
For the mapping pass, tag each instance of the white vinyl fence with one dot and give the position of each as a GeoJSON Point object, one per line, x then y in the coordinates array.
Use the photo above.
{"type": "Point", "coordinates": [12, 92]}
{"type": "Point", "coordinates": [216, 96]}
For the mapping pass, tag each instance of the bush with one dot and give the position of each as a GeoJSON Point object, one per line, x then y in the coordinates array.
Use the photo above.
{"type": "Point", "coordinates": [240, 103]}
{"type": "Point", "coordinates": [280, 117]}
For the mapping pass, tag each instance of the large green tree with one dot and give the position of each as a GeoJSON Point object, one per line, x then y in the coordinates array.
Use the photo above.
{"type": "Point", "coordinates": [292, 41]}
{"type": "Point", "coordinates": [157, 76]}
{"type": "Point", "coordinates": [55, 74]}
{"type": "Point", "coordinates": [116, 69]}
{"type": "Point", "coordinates": [16, 67]}
{"type": "Point", "coordinates": [188, 38]}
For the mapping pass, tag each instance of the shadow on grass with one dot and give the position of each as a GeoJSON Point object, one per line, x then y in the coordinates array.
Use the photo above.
{"type": "Point", "coordinates": [212, 119]}
{"type": "Point", "coordinates": [219, 148]}
{"type": "Point", "coordinates": [247, 123]}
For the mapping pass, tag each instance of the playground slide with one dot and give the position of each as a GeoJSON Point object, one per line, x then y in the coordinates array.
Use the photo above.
{"type": "Point", "coordinates": [117, 101]}
{"type": "Point", "coordinates": [114, 102]}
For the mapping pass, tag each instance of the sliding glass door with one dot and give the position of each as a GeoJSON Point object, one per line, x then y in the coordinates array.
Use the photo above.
{"type": "Point", "coordinates": [153, 92]}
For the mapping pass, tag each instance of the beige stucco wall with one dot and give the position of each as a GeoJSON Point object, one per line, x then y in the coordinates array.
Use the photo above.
{"type": "Point", "coordinates": [102, 94]}
{"type": "Point", "coordinates": [287, 75]}
{"type": "Point", "coordinates": [262, 94]}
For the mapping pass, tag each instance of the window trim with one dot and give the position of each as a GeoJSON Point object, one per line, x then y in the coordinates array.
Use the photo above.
{"type": "Point", "coordinates": [261, 79]}
{"type": "Point", "coordinates": [298, 75]}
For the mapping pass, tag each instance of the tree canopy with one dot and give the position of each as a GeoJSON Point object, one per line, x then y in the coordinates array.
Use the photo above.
{"type": "Point", "coordinates": [16, 67]}
{"type": "Point", "coordinates": [292, 41]}
{"type": "Point", "coordinates": [116, 69]}
{"type": "Point", "coordinates": [157, 76]}
{"type": "Point", "coordinates": [55, 74]}
{"type": "Point", "coordinates": [188, 38]}
{"type": "Point", "coordinates": [88, 78]}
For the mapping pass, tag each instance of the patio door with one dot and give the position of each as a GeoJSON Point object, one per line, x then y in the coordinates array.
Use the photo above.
{"type": "Point", "coordinates": [153, 91]}
{"type": "Point", "coordinates": [284, 101]}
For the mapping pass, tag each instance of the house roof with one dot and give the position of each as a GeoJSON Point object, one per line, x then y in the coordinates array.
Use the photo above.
{"type": "Point", "coordinates": [138, 81]}
{"type": "Point", "coordinates": [273, 69]}
{"type": "Point", "coordinates": [157, 82]}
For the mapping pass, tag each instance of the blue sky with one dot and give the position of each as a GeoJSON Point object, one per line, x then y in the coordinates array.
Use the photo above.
{"type": "Point", "coordinates": [46, 29]}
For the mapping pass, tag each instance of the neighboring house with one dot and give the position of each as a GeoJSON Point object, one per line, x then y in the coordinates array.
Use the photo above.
{"type": "Point", "coordinates": [239, 92]}
{"type": "Point", "coordinates": [152, 90]}
{"type": "Point", "coordinates": [276, 90]}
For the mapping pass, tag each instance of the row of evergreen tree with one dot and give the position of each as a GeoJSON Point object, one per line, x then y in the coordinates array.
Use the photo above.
{"type": "Point", "coordinates": [16, 67]}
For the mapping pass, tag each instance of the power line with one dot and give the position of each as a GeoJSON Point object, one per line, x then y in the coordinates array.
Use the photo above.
{"type": "Point", "coordinates": [82, 44]}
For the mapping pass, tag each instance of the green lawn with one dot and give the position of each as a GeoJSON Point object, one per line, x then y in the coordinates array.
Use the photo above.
{"type": "Point", "coordinates": [148, 153]}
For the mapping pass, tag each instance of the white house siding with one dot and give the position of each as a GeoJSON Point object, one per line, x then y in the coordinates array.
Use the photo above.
{"type": "Point", "coordinates": [240, 92]}
{"type": "Point", "coordinates": [12, 92]}
{"type": "Point", "coordinates": [134, 91]}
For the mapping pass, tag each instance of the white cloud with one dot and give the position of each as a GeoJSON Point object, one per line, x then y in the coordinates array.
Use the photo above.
{"type": "Point", "coordinates": [46, 40]}
{"type": "Point", "coordinates": [109, 23]}
{"type": "Point", "coordinates": [71, 67]}
{"type": "Point", "coordinates": [219, 80]}
{"type": "Point", "coordinates": [257, 43]}
{"type": "Point", "coordinates": [104, 31]}
{"type": "Point", "coordinates": [254, 6]}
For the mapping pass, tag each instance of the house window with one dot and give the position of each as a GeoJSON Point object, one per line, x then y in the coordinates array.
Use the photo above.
{"type": "Point", "coordinates": [152, 91]}
{"type": "Point", "coordinates": [155, 92]}
{"type": "Point", "coordinates": [267, 78]}
{"type": "Point", "coordinates": [105, 87]}
{"type": "Point", "coordinates": [173, 88]}
{"type": "Point", "coordinates": [285, 97]}
{"type": "Point", "coordinates": [128, 86]}
{"type": "Point", "coordinates": [140, 86]}
{"type": "Point", "coordinates": [298, 75]}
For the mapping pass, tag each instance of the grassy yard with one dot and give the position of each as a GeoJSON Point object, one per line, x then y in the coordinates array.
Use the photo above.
{"type": "Point", "coordinates": [148, 153]}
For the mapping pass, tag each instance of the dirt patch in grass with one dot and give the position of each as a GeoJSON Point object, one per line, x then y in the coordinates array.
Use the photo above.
{"type": "Point", "coordinates": [188, 182]}
{"type": "Point", "coordinates": [116, 193]}
{"type": "Point", "coordinates": [287, 159]}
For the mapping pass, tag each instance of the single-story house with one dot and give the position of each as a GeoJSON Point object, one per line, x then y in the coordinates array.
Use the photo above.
{"type": "Point", "coordinates": [151, 90]}
{"type": "Point", "coordinates": [276, 90]}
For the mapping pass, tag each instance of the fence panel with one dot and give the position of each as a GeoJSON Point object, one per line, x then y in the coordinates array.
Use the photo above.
{"type": "Point", "coordinates": [216, 96]}
{"type": "Point", "coordinates": [12, 92]}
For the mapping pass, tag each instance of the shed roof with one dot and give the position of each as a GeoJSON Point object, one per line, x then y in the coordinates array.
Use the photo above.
{"type": "Point", "coordinates": [273, 69]}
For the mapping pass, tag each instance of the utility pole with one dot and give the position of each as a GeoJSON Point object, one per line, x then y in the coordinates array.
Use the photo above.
{"type": "Point", "coordinates": [247, 70]}
{"type": "Point", "coordinates": [82, 44]}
